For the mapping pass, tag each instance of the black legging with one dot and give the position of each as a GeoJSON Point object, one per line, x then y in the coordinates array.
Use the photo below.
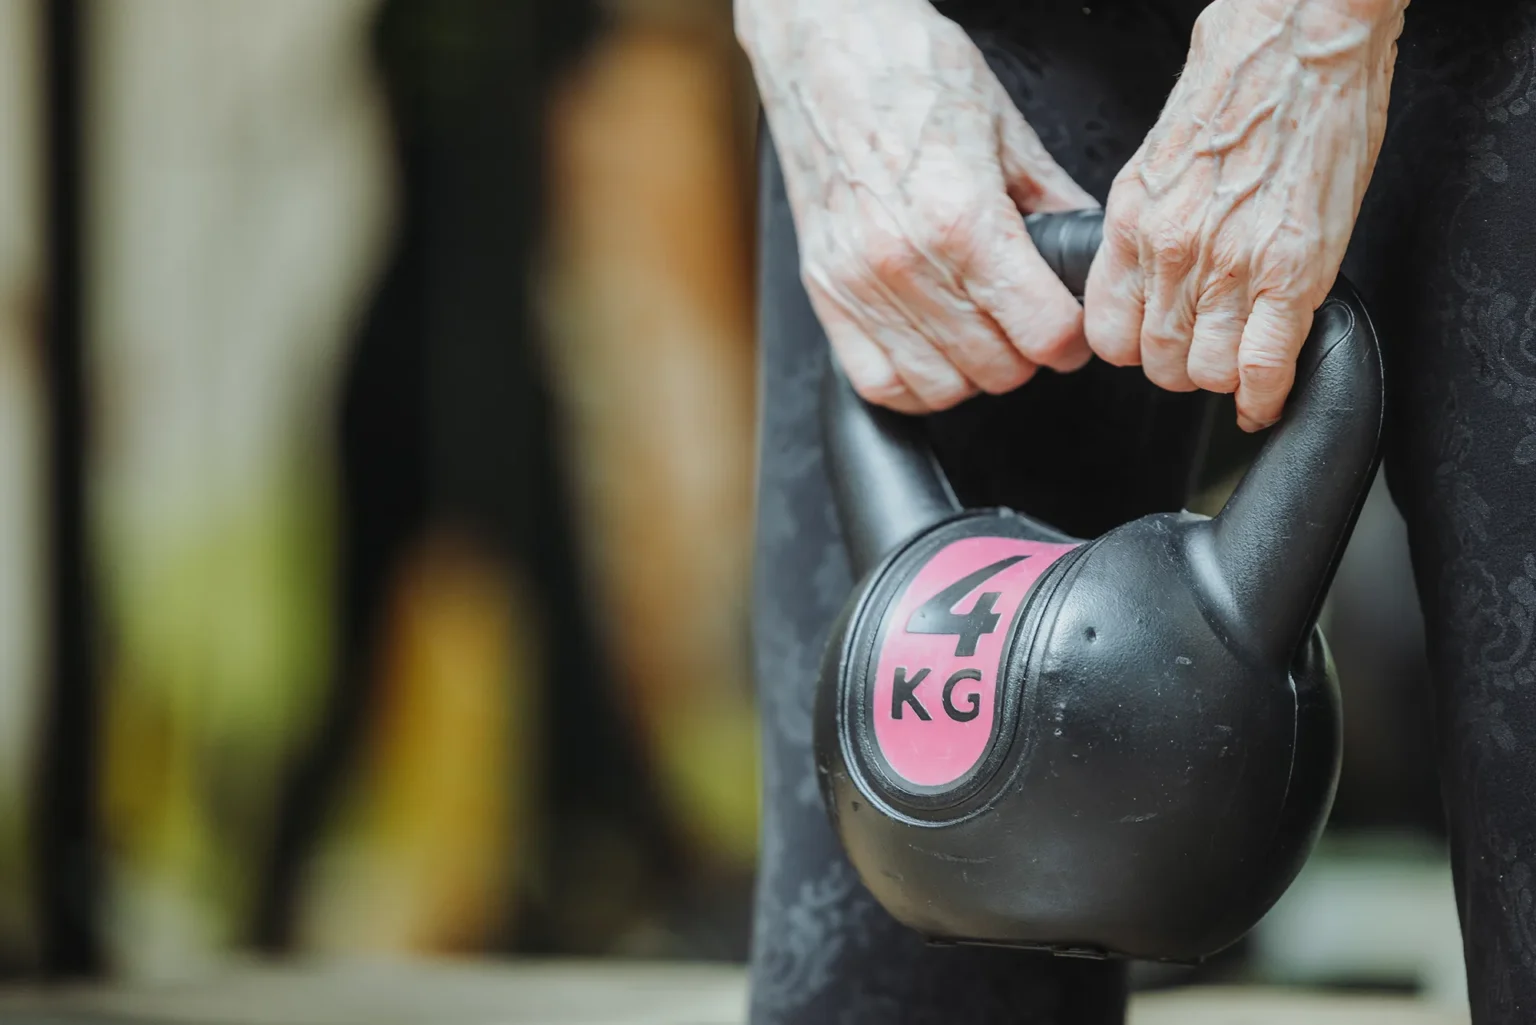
{"type": "Point", "coordinates": [1445, 255]}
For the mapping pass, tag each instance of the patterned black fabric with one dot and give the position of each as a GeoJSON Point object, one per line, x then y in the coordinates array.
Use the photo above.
{"type": "Point", "coordinates": [1445, 255]}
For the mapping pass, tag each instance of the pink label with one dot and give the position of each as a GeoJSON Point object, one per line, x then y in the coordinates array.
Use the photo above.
{"type": "Point", "coordinates": [935, 694]}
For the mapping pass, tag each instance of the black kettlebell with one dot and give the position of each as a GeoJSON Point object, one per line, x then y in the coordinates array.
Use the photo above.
{"type": "Point", "coordinates": [1119, 747]}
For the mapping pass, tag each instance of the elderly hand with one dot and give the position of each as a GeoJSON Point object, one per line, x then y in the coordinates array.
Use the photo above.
{"type": "Point", "coordinates": [1227, 228]}
{"type": "Point", "coordinates": [907, 166]}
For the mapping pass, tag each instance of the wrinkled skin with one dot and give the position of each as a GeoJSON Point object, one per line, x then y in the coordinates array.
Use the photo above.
{"type": "Point", "coordinates": [907, 169]}
{"type": "Point", "coordinates": [907, 166]}
{"type": "Point", "coordinates": [1227, 228]}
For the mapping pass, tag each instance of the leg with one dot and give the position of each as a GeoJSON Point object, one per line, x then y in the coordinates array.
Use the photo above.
{"type": "Point", "coordinates": [823, 951]}
{"type": "Point", "coordinates": [1442, 256]}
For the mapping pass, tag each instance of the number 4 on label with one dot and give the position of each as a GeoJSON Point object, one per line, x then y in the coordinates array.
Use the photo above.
{"type": "Point", "coordinates": [937, 615]}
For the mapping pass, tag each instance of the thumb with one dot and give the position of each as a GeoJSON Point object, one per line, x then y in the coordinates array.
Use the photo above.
{"type": "Point", "coordinates": [1035, 181]}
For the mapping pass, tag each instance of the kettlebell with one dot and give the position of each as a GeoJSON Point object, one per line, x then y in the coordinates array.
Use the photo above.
{"type": "Point", "coordinates": [1123, 747]}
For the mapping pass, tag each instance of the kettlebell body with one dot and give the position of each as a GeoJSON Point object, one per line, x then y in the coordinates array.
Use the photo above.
{"type": "Point", "coordinates": [1119, 747]}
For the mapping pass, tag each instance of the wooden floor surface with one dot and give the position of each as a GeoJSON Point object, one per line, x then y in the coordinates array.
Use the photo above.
{"type": "Point", "coordinates": [540, 993]}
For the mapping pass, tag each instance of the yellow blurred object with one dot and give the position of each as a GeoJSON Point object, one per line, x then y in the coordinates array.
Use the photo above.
{"type": "Point", "coordinates": [441, 817]}
{"type": "Point", "coordinates": [224, 640]}
{"type": "Point", "coordinates": [648, 302]}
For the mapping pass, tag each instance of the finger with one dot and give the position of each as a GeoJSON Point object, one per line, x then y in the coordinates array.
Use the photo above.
{"type": "Point", "coordinates": [932, 301]}
{"type": "Point", "coordinates": [1169, 258]}
{"type": "Point", "coordinates": [916, 366]}
{"type": "Point", "coordinates": [1035, 181]}
{"type": "Point", "coordinates": [871, 373]}
{"type": "Point", "coordinates": [983, 352]}
{"type": "Point", "coordinates": [1219, 318]}
{"type": "Point", "coordinates": [926, 371]}
{"type": "Point", "coordinates": [1114, 303]}
{"type": "Point", "coordinates": [969, 336]}
{"type": "Point", "coordinates": [1266, 360]}
{"type": "Point", "coordinates": [867, 311]}
{"type": "Point", "coordinates": [1168, 322]}
{"type": "Point", "coordinates": [1011, 282]}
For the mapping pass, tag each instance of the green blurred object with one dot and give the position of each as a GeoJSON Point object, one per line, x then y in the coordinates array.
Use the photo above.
{"type": "Point", "coordinates": [222, 639]}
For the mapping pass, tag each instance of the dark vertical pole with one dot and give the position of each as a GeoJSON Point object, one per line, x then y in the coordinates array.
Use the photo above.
{"type": "Point", "coordinates": [65, 823]}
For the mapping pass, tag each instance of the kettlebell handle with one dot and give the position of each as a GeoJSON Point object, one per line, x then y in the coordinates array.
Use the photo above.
{"type": "Point", "coordinates": [1266, 559]}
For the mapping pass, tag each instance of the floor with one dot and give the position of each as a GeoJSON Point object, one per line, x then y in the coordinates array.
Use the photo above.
{"type": "Point", "coordinates": [575, 994]}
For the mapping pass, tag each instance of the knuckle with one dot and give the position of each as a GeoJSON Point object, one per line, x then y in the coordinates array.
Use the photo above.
{"type": "Point", "coordinates": [954, 225]}
{"type": "Point", "coordinates": [1116, 355]}
{"type": "Point", "coordinates": [1212, 375]}
{"type": "Point", "coordinates": [1004, 377]}
{"type": "Point", "coordinates": [833, 271]}
{"type": "Point", "coordinates": [1127, 189]}
{"type": "Point", "coordinates": [1261, 412]}
{"type": "Point", "coordinates": [886, 256]}
{"type": "Point", "coordinates": [1121, 218]}
{"type": "Point", "coordinates": [931, 376]}
{"type": "Point", "coordinates": [1285, 279]}
{"type": "Point", "coordinates": [1050, 338]}
{"type": "Point", "coordinates": [947, 394]}
{"type": "Point", "coordinates": [992, 365]}
{"type": "Point", "coordinates": [1286, 270]}
{"type": "Point", "coordinates": [1051, 331]}
{"type": "Point", "coordinates": [1169, 377]}
{"type": "Point", "coordinates": [828, 293]}
{"type": "Point", "coordinates": [1164, 330]}
{"type": "Point", "coordinates": [820, 241]}
{"type": "Point", "coordinates": [880, 386]}
{"type": "Point", "coordinates": [1273, 337]}
{"type": "Point", "coordinates": [1264, 370]}
{"type": "Point", "coordinates": [1171, 245]}
{"type": "Point", "coordinates": [1229, 259]}
{"type": "Point", "coordinates": [1220, 301]}
{"type": "Point", "coordinates": [1109, 342]}
{"type": "Point", "coordinates": [1262, 360]}
{"type": "Point", "coordinates": [1162, 339]}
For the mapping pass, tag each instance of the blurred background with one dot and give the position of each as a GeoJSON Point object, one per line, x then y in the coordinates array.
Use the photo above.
{"type": "Point", "coordinates": [373, 375]}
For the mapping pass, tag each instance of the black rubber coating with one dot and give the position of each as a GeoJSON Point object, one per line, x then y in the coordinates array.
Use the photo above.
{"type": "Point", "coordinates": [1068, 241]}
